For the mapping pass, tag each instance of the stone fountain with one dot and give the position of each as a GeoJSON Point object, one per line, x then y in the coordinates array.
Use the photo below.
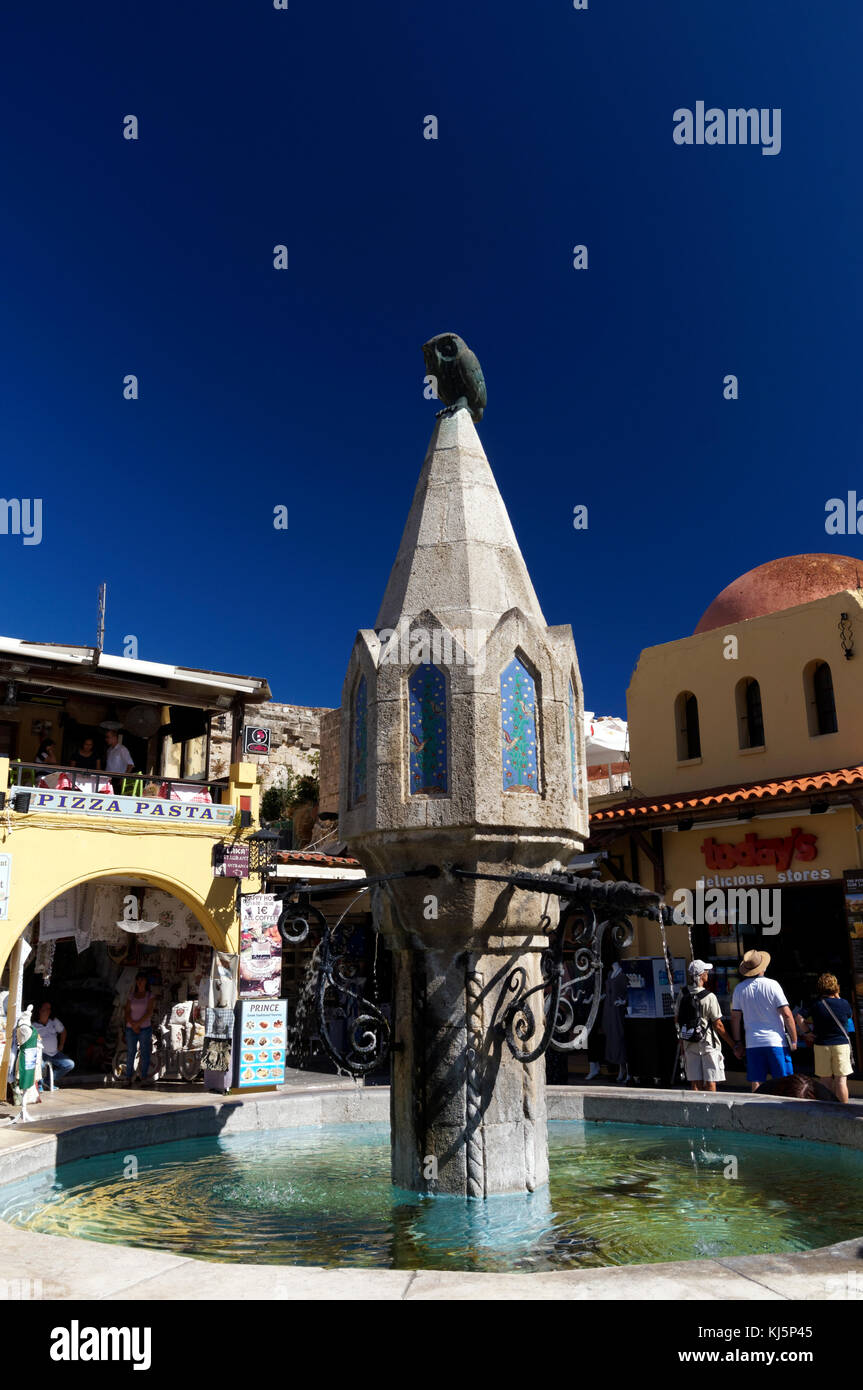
{"type": "Point", "coordinates": [462, 753]}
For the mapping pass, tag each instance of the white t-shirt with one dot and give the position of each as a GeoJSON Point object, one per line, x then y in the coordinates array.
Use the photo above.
{"type": "Point", "coordinates": [50, 1033]}
{"type": "Point", "coordinates": [758, 1000]}
{"type": "Point", "coordinates": [118, 759]}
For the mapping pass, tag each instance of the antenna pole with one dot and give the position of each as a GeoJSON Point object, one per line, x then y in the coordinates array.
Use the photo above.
{"type": "Point", "coordinates": [100, 621]}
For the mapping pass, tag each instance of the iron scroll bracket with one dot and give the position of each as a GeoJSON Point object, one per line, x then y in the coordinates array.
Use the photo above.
{"type": "Point", "coordinates": [562, 998]}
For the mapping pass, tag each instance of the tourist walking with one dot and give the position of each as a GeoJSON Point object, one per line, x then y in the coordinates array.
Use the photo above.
{"type": "Point", "coordinates": [771, 1033]}
{"type": "Point", "coordinates": [53, 1035]}
{"type": "Point", "coordinates": [139, 1028]}
{"type": "Point", "coordinates": [832, 1020]}
{"type": "Point", "coordinates": [702, 1031]}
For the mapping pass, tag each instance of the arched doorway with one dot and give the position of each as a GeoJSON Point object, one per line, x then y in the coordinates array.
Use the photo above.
{"type": "Point", "coordinates": [82, 952]}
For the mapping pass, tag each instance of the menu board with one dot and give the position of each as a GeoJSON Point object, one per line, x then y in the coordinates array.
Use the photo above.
{"type": "Point", "coordinates": [260, 1042]}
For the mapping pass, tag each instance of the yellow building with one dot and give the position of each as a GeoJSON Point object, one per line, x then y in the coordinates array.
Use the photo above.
{"type": "Point", "coordinates": [72, 820]}
{"type": "Point", "coordinates": [747, 774]}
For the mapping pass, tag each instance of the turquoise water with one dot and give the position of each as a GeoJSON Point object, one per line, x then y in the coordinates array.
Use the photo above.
{"type": "Point", "coordinates": [619, 1194]}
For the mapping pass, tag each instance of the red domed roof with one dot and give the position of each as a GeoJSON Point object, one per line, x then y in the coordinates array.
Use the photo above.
{"type": "Point", "coordinates": [782, 584]}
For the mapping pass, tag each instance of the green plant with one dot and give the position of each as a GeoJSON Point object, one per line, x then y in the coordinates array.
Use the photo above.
{"type": "Point", "coordinates": [277, 803]}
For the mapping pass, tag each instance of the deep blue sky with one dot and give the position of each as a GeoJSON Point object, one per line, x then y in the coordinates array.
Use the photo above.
{"type": "Point", "coordinates": [305, 387]}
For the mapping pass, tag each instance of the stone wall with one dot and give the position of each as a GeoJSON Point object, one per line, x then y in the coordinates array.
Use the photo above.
{"type": "Point", "coordinates": [329, 773]}
{"type": "Point", "coordinates": [295, 736]}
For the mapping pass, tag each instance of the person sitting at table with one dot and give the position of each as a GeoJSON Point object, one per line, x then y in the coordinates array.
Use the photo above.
{"type": "Point", "coordinates": [117, 759]}
{"type": "Point", "coordinates": [47, 751]}
{"type": "Point", "coordinates": [85, 757]}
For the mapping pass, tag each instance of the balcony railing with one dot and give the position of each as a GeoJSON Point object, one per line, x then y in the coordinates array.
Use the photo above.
{"type": "Point", "coordinates": [54, 777]}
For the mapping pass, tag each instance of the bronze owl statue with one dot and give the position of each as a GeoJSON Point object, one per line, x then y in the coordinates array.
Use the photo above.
{"type": "Point", "coordinates": [458, 376]}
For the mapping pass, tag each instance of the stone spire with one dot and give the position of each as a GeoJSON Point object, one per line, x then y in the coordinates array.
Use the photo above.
{"type": "Point", "coordinates": [458, 555]}
{"type": "Point", "coordinates": [467, 761]}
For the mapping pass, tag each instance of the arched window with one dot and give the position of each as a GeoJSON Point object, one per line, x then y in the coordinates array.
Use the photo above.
{"type": "Point", "coordinates": [573, 740]}
{"type": "Point", "coordinates": [820, 701]}
{"type": "Point", "coordinates": [750, 717]}
{"type": "Point", "coordinates": [359, 750]}
{"type": "Point", "coordinates": [518, 728]}
{"type": "Point", "coordinates": [686, 724]}
{"type": "Point", "coordinates": [427, 731]}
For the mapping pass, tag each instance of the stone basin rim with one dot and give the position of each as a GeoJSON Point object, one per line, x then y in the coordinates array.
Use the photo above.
{"type": "Point", "coordinates": [133, 1272]}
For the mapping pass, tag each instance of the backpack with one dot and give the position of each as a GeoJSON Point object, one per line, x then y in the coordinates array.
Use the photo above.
{"type": "Point", "coordinates": [694, 1026]}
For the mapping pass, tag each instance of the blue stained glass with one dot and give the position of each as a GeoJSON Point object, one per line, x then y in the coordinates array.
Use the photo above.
{"type": "Point", "coordinates": [428, 753]}
{"type": "Point", "coordinates": [361, 742]}
{"type": "Point", "coordinates": [573, 742]}
{"type": "Point", "coordinates": [518, 728]}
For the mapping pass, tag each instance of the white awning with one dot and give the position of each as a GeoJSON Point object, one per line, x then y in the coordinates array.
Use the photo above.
{"type": "Point", "coordinates": [606, 739]}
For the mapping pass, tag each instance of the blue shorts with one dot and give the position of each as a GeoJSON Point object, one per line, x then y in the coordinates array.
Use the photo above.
{"type": "Point", "coordinates": [761, 1060]}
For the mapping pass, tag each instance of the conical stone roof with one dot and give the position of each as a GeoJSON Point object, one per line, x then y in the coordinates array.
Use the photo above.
{"type": "Point", "coordinates": [458, 556]}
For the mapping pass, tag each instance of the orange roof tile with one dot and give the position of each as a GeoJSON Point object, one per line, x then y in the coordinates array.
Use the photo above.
{"type": "Point", "coordinates": [672, 806]}
{"type": "Point", "coordinates": [307, 856]}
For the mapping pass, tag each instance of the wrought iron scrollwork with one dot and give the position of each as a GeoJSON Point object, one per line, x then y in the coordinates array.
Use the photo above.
{"type": "Point", "coordinates": [559, 998]}
{"type": "Point", "coordinates": [367, 1030]}
{"type": "Point", "coordinates": [563, 999]}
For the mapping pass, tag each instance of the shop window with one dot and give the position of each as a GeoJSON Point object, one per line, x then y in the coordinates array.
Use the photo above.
{"type": "Point", "coordinates": [750, 717]}
{"type": "Point", "coordinates": [820, 700]}
{"type": "Point", "coordinates": [686, 724]}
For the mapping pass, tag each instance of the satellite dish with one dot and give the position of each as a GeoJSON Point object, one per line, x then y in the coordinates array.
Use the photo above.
{"type": "Point", "coordinates": [142, 720]}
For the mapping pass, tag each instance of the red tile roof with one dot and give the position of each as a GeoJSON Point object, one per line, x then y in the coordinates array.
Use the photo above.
{"type": "Point", "coordinates": [676, 806]}
{"type": "Point", "coordinates": [305, 856]}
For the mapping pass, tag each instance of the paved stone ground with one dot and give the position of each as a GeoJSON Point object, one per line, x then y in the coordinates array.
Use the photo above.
{"type": "Point", "coordinates": [68, 1106]}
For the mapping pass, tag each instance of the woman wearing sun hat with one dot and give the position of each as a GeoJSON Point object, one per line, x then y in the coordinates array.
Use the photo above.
{"type": "Point", "coordinates": [771, 1034]}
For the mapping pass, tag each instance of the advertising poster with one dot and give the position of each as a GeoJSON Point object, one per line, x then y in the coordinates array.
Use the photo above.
{"type": "Point", "coordinates": [261, 1040]}
{"type": "Point", "coordinates": [260, 947]}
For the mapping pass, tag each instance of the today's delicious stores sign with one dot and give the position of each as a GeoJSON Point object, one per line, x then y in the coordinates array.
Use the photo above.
{"type": "Point", "coordinates": [754, 852]}
{"type": "Point", "coordinates": [131, 808]}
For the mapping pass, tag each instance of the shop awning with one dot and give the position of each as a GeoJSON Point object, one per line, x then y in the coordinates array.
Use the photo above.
{"type": "Point", "coordinates": [676, 806]}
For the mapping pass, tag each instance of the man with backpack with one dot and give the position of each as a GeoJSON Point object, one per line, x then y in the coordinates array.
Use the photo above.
{"type": "Point", "coordinates": [702, 1031]}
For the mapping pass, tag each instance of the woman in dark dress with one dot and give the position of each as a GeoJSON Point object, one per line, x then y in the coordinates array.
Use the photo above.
{"type": "Point", "coordinates": [85, 756]}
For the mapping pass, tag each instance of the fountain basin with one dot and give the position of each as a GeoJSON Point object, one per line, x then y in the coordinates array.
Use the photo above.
{"type": "Point", "coordinates": [515, 1234]}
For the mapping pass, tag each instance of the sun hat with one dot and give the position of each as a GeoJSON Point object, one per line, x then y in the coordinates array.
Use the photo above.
{"type": "Point", "coordinates": [754, 963]}
{"type": "Point", "coordinates": [697, 969]}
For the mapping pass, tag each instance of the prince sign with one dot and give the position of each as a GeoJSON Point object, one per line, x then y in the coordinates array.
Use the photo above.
{"type": "Point", "coordinates": [131, 808]}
